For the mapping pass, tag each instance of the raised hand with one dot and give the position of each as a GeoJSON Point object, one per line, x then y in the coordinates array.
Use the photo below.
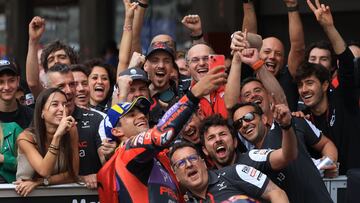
{"type": "Point", "coordinates": [130, 8]}
{"type": "Point", "coordinates": [66, 123]}
{"type": "Point", "coordinates": [193, 23]}
{"type": "Point", "coordinates": [210, 82]}
{"type": "Point", "coordinates": [322, 13]}
{"type": "Point", "coordinates": [238, 41]}
{"type": "Point", "coordinates": [249, 56]}
{"type": "Point", "coordinates": [281, 112]}
{"type": "Point", "coordinates": [36, 28]}
{"type": "Point", "coordinates": [124, 83]}
{"type": "Point", "coordinates": [290, 3]}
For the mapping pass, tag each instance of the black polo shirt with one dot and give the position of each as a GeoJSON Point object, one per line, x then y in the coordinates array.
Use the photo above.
{"type": "Point", "coordinates": [341, 121]}
{"type": "Point", "coordinates": [300, 179]}
{"type": "Point", "coordinates": [231, 181]}
{"type": "Point", "coordinates": [89, 140]}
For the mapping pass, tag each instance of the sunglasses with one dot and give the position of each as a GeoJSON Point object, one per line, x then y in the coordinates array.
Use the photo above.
{"type": "Point", "coordinates": [182, 162]}
{"type": "Point", "coordinates": [247, 117]}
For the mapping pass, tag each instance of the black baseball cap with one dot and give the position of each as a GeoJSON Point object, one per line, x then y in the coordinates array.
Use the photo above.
{"type": "Point", "coordinates": [6, 65]}
{"type": "Point", "coordinates": [160, 46]}
{"type": "Point", "coordinates": [136, 74]}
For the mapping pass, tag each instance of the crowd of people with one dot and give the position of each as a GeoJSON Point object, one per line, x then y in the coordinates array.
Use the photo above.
{"type": "Point", "coordinates": [164, 126]}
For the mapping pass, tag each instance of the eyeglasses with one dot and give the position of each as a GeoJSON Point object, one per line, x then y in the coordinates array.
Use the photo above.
{"type": "Point", "coordinates": [247, 117]}
{"type": "Point", "coordinates": [182, 162]}
{"type": "Point", "coordinates": [196, 60]}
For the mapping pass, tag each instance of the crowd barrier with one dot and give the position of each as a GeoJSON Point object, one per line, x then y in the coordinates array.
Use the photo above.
{"type": "Point", "coordinates": [67, 193]}
{"type": "Point", "coordinates": [75, 193]}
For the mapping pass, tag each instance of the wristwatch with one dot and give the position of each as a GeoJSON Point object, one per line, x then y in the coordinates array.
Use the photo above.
{"type": "Point", "coordinates": [45, 182]}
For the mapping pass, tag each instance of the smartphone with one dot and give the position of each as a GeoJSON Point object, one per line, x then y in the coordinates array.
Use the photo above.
{"type": "Point", "coordinates": [216, 60]}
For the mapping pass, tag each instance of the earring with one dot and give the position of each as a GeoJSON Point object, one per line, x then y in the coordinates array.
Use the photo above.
{"type": "Point", "coordinates": [42, 116]}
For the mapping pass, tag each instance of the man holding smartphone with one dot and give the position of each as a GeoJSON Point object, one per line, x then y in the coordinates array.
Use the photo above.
{"type": "Point", "coordinates": [198, 63]}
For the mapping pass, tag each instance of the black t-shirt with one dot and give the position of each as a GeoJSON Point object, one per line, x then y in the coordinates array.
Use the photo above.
{"type": "Point", "coordinates": [231, 181]}
{"type": "Point", "coordinates": [289, 86]}
{"type": "Point", "coordinates": [89, 140]}
{"type": "Point", "coordinates": [22, 116]}
{"type": "Point", "coordinates": [300, 179]}
{"type": "Point", "coordinates": [341, 121]}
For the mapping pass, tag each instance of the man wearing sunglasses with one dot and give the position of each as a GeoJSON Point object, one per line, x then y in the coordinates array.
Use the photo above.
{"type": "Point", "coordinates": [222, 147]}
{"type": "Point", "coordinates": [253, 126]}
{"type": "Point", "coordinates": [291, 178]}
{"type": "Point", "coordinates": [203, 185]}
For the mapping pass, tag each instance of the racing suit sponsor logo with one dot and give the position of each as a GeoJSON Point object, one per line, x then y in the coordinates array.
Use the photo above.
{"type": "Point", "coordinates": [259, 155]}
{"type": "Point", "coordinates": [251, 175]}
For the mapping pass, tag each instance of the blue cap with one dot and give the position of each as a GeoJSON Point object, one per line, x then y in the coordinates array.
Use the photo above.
{"type": "Point", "coordinates": [116, 112]}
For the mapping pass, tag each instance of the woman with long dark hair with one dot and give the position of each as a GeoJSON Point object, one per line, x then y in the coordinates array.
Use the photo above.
{"type": "Point", "coordinates": [48, 150]}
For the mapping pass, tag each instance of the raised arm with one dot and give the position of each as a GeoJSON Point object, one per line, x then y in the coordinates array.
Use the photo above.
{"type": "Point", "coordinates": [232, 87]}
{"type": "Point", "coordinates": [296, 35]}
{"type": "Point", "coordinates": [280, 158]}
{"type": "Point", "coordinates": [137, 25]}
{"type": "Point", "coordinates": [36, 29]}
{"type": "Point", "coordinates": [251, 57]}
{"type": "Point", "coordinates": [127, 35]}
{"type": "Point", "coordinates": [324, 17]}
{"type": "Point", "coordinates": [193, 23]}
{"type": "Point", "coordinates": [249, 20]}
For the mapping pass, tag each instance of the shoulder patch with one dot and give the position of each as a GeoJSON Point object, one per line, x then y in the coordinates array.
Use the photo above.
{"type": "Point", "coordinates": [259, 155]}
{"type": "Point", "coordinates": [251, 175]}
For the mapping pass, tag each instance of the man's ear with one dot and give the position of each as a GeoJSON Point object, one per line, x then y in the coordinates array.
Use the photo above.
{"type": "Point", "coordinates": [117, 132]}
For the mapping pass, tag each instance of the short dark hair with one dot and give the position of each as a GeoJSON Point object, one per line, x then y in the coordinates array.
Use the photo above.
{"type": "Point", "coordinates": [180, 145]}
{"type": "Point", "coordinates": [308, 69]}
{"type": "Point", "coordinates": [56, 46]}
{"type": "Point", "coordinates": [80, 68]}
{"type": "Point", "coordinates": [213, 120]}
{"type": "Point", "coordinates": [257, 108]}
{"type": "Point", "coordinates": [248, 80]}
{"type": "Point", "coordinates": [323, 44]}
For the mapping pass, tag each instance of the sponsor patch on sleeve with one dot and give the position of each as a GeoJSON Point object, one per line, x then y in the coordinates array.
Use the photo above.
{"type": "Point", "coordinates": [259, 155]}
{"type": "Point", "coordinates": [251, 175]}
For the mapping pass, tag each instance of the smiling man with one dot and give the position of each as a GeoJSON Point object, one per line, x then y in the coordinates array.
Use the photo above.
{"type": "Point", "coordinates": [197, 60]}
{"type": "Point", "coordinates": [219, 185]}
{"type": "Point", "coordinates": [159, 64]}
{"type": "Point", "coordinates": [139, 170]}
{"type": "Point", "coordinates": [10, 109]}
